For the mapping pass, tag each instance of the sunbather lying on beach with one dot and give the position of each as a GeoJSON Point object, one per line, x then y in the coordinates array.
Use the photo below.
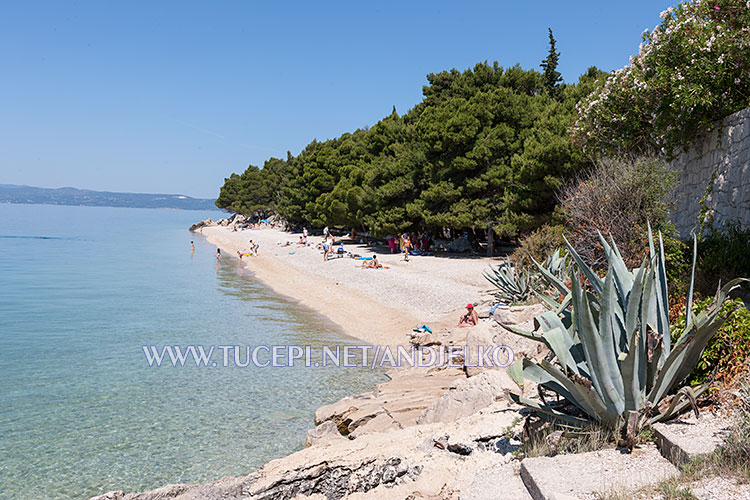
{"type": "Point", "coordinates": [471, 318]}
{"type": "Point", "coordinates": [371, 264]}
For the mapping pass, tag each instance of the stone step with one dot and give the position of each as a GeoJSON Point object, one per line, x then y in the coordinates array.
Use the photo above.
{"type": "Point", "coordinates": [497, 483]}
{"type": "Point", "coordinates": [685, 438]}
{"type": "Point", "coordinates": [584, 475]}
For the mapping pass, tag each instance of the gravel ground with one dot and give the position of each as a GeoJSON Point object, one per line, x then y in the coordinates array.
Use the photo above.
{"type": "Point", "coordinates": [427, 286]}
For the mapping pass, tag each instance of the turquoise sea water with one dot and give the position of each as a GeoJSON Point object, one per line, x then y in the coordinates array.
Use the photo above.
{"type": "Point", "coordinates": [81, 412]}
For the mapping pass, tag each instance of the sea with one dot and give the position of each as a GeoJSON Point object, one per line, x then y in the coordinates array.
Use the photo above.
{"type": "Point", "coordinates": [82, 291]}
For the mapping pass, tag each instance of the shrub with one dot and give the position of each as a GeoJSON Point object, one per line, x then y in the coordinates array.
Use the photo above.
{"type": "Point", "coordinates": [618, 197]}
{"type": "Point", "coordinates": [678, 255]}
{"type": "Point", "coordinates": [538, 245]}
{"type": "Point", "coordinates": [729, 350]}
{"type": "Point", "coordinates": [691, 70]}
{"type": "Point", "coordinates": [722, 256]}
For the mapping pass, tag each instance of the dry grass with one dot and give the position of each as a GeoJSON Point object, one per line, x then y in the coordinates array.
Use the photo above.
{"type": "Point", "coordinates": [549, 440]}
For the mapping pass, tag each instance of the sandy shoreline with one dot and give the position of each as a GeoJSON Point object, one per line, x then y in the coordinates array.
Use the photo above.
{"type": "Point", "coordinates": [375, 306]}
{"type": "Point", "coordinates": [409, 436]}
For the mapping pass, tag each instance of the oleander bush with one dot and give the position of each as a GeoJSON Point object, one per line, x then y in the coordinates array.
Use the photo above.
{"type": "Point", "coordinates": [691, 71]}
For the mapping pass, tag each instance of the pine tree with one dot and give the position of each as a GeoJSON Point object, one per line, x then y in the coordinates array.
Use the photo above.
{"type": "Point", "coordinates": [551, 76]}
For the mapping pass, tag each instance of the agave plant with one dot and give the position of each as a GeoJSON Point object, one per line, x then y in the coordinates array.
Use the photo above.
{"type": "Point", "coordinates": [613, 356]}
{"type": "Point", "coordinates": [511, 285]}
{"type": "Point", "coordinates": [557, 264]}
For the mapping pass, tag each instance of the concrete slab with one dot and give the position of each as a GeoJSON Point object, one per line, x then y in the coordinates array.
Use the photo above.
{"type": "Point", "coordinates": [497, 483]}
{"type": "Point", "coordinates": [585, 475]}
{"type": "Point", "coordinates": [685, 438]}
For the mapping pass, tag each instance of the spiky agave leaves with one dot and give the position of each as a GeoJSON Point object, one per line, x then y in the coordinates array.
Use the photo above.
{"type": "Point", "coordinates": [512, 286]}
{"type": "Point", "coordinates": [611, 340]}
{"type": "Point", "coordinates": [557, 264]}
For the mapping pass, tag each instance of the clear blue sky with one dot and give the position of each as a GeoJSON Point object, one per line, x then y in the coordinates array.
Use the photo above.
{"type": "Point", "coordinates": [173, 96]}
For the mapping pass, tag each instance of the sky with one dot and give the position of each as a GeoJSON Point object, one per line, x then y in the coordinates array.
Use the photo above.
{"type": "Point", "coordinates": [174, 96]}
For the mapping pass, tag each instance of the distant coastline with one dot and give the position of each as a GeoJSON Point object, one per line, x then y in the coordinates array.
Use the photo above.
{"type": "Point", "coordinates": [13, 193]}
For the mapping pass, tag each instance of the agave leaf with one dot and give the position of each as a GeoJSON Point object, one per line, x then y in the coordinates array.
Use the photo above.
{"type": "Point", "coordinates": [680, 402]}
{"type": "Point", "coordinates": [689, 307]}
{"type": "Point", "coordinates": [684, 357]}
{"type": "Point", "coordinates": [551, 278]}
{"type": "Point", "coordinates": [549, 411]}
{"type": "Point", "coordinates": [662, 298]}
{"type": "Point", "coordinates": [596, 281]}
{"type": "Point", "coordinates": [633, 367]}
{"type": "Point", "coordinates": [599, 352]}
{"type": "Point", "coordinates": [548, 301]}
{"type": "Point", "coordinates": [623, 277]}
{"type": "Point", "coordinates": [523, 333]}
{"type": "Point", "coordinates": [515, 372]}
{"type": "Point", "coordinates": [611, 331]}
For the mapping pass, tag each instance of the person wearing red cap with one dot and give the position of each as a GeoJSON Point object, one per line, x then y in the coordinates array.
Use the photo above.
{"type": "Point", "coordinates": [471, 318]}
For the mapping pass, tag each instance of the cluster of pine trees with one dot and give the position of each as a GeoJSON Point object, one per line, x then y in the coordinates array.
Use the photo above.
{"type": "Point", "coordinates": [487, 145]}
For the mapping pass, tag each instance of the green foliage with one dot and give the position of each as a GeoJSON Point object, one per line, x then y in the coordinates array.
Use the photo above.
{"type": "Point", "coordinates": [512, 285]}
{"type": "Point", "coordinates": [691, 70]}
{"type": "Point", "coordinates": [729, 350]}
{"type": "Point", "coordinates": [677, 257]}
{"type": "Point", "coordinates": [611, 340]}
{"type": "Point", "coordinates": [551, 76]}
{"type": "Point", "coordinates": [538, 244]}
{"type": "Point", "coordinates": [723, 254]}
{"type": "Point", "coordinates": [485, 145]}
{"type": "Point", "coordinates": [256, 192]}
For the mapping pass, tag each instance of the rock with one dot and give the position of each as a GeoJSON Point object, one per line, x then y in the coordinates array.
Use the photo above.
{"type": "Point", "coordinates": [384, 466]}
{"type": "Point", "coordinates": [468, 396]}
{"type": "Point", "coordinates": [682, 439]}
{"type": "Point", "coordinates": [323, 432]}
{"type": "Point", "coordinates": [201, 224]}
{"type": "Point", "coordinates": [424, 339]}
{"type": "Point", "coordinates": [395, 404]}
{"type": "Point", "coordinates": [489, 483]}
{"type": "Point", "coordinates": [596, 472]}
{"type": "Point", "coordinates": [516, 315]}
{"type": "Point", "coordinates": [553, 440]}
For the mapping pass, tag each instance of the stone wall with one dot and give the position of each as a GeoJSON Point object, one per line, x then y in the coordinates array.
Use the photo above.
{"type": "Point", "coordinates": [723, 155]}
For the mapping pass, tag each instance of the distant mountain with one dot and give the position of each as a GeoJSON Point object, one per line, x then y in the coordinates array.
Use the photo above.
{"type": "Point", "coordinates": [12, 193]}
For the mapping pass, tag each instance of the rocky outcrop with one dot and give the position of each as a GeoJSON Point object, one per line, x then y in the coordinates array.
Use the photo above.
{"type": "Point", "coordinates": [466, 397]}
{"type": "Point", "coordinates": [425, 461]}
{"type": "Point", "coordinates": [322, 433]}
{"type": "Point", "coordinates": [395, 404]}
{"type": "Point", "coordinates": [198, 225]}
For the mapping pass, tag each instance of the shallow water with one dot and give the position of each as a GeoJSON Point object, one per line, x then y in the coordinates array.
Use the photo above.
{"type": "Point", "coordinates": [81, 412]}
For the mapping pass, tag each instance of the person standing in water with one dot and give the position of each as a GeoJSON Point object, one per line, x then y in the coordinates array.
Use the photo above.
{"type": "Point", "coordinates": [218, 254]}
{"type": "Point", "coordinates": [192, 246]}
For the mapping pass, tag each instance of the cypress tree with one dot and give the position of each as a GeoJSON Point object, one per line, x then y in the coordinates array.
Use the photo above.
{"type": "Point", "coordinates": [551, 77]}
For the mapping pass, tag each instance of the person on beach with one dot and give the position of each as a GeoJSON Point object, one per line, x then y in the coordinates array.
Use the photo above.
{"type": "Point", "coordinates": [218, 254]}
{"type": "Point", "coordinates": [326, 233]}
{"type": "Point", "coordinates": [304, 235]}
{"type": "Point", "coordinates": [372, 263]}
{"type": "Point", "coordinates": [326, 249]}
{"type": "Point", "coordinates": [392, 244]}
{"type": "Point", "coordinates": [407, 246]}
{"type": "Point", "coordinates": [471, 318]}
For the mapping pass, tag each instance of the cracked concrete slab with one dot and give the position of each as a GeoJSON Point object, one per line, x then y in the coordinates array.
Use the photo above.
{"type": "Point", "coordinates": [585, 475]}
{"type": "Point", "coordinates": [688, 437]}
